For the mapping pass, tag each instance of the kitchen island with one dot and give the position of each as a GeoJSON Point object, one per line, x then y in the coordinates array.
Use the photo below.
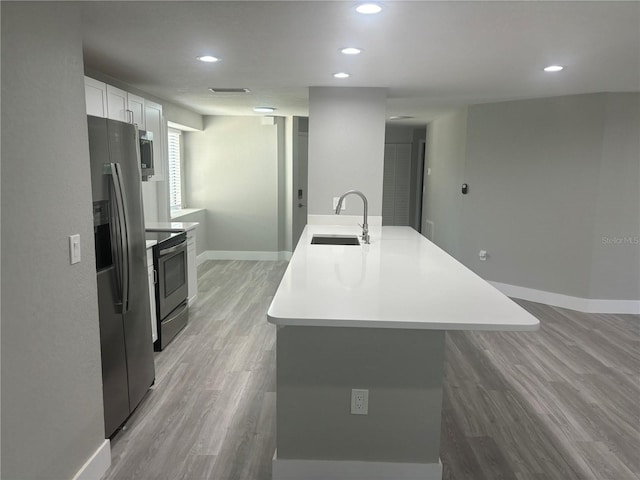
{"type": "Point", "coordinates": [371, 317]}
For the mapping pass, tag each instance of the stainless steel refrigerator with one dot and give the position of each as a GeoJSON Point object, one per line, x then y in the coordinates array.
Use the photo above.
{"type": "Point", "coordinates": [121, 268]}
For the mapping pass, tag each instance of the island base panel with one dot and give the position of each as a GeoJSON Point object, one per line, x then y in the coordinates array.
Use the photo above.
{"type": "Point", "coordinates": [317, 367]}
{"type": "Point", "coordinates": [284, 469]}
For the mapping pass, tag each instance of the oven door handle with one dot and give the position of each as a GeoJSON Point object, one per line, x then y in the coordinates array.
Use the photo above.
{"type": "Point", "coordinates": [169, 250]}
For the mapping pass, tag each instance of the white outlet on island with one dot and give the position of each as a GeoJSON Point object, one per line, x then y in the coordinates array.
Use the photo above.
{"type": "Point", "coordinates": [359, 402]}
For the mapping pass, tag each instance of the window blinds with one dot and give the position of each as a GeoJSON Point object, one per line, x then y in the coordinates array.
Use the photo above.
{"type": "Point", "coordinates": [175, 182]}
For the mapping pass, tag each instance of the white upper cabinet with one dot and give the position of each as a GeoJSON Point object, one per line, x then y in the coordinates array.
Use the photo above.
{"type": "Point", "coordinates": [156, 125]}
{"type": "Point", "coordinates": [135, 105]}
{"type": "Point", "coordinates": [117, 104]}
{"type": "Point", "coordinates": [105, 100]}
{"type": "Point", "coordinates": [95, 93]}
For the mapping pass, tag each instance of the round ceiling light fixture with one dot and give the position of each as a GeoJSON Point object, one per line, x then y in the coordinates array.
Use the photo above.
{"type": "Point", "coordinates": [208, 58]}
{"type": "Point", "coordinates": [264, 109]}
{"type": "Point", "coordinates": [341, 75]}
{"type": "Point", "coordinates": [350, 51]}
{"type": "Point", "coordinates": [553, 68]}
{"type": "Point", "coordinates": [368, 8]}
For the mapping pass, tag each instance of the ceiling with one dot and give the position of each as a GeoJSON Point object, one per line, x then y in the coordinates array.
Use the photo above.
{"type": "Point", "coordinates": [431, 56]}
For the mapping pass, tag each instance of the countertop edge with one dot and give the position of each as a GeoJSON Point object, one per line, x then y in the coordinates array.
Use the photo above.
{"type": "Point", "coordinates": [400, 325]}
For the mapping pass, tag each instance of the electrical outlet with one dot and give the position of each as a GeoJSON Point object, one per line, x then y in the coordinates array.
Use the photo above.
{"type": "Point", "coordinates": [359, 402]}
{"type": "Point", "coordinates": [483, 255]}
{"type": "Point", "coordinates": [335, 203]}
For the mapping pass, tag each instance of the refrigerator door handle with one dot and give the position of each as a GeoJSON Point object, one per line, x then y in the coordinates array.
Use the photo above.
{"type": "Point", "coordinates": [120, 201]}
{"type": "Point", "coordinates": [127, 241]}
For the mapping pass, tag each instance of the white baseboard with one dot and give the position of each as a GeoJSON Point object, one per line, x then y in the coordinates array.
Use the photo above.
{"type": "Point", "coordinates": [97, 465]}
{"type": "Point", "coordinates": [586, 305]}
{"type": "Point", "coordinates": [242, 255]}
{"type": "Point", "coordinates": [285, 469]}
{"type": "Point", "coordinates": [372, 220]}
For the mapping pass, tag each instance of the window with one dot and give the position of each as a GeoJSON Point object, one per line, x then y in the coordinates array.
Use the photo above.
{"type": "Point", "coordinates": [175, 181]}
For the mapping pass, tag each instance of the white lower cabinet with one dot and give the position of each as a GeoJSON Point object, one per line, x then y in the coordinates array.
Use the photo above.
{"type": "Point", "coordinates": [152, 294]}
{"type": "Point", "coordinates": [192, 267]}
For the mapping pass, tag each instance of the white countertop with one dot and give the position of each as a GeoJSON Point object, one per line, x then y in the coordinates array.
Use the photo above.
{"type": "Point", "coordinates": [170, 226]}
{"type": "Point", "coordinates": [400, 280]}
{"type": "Point", "coordinates": [151, 243]}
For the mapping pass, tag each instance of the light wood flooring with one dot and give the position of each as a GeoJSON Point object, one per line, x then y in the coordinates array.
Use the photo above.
{"type": "Point", "coordinates": [558, 404]}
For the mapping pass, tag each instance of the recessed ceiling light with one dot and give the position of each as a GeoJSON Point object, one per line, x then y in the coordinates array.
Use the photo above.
{"type": "Point", "coordinates": [341, 75]}
{"type": "Point", "coordinates": [208, 58]}
{"type": "Point", "coordinates": [553, 68]}
{"type": "Point", "coordinates": [264, 109]}
{"type": "Point", "coordinates": [368, 8]}
{"type": "Point", "coordinates": [351, 51]}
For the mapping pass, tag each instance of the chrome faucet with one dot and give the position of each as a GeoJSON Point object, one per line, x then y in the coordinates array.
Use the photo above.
{"type": "Point", "coordinates": [365, 225]}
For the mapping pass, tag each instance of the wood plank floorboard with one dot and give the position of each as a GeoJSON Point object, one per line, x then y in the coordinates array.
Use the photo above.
{"type": "Point", "coordinates": [562, 403]}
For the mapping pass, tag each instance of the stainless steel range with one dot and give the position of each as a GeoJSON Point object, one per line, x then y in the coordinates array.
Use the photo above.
{"type": "Point", "coordinates": [170, 263]}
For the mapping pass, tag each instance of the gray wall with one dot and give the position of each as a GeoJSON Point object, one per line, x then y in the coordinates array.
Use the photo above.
{"type": "Point", "coordinates": [52, 417]}
{"type": "Point", "coordinates": [346, 147]}
{"type": "Point", "coordinates": [532, 169]}
{"type": "Point", "coordinates": [615, 269]}
{"type": "Point", "coordinates": [398, 133]}
{"type": "Point", "coordinates": [442, 202]}
{"type": "Point", "coordinates": [232, 172]}
{"type": "Point", "coordinates": [548, 179]}
{"type": "Point", "coordinates": [201, 231]}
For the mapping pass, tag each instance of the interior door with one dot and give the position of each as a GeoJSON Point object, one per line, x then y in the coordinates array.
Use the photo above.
{"type": "Point", "coordinates": [396, 188]}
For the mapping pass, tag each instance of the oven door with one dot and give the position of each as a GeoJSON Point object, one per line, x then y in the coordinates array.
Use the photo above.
{"type": "Point", "coordinates": [172, 277]}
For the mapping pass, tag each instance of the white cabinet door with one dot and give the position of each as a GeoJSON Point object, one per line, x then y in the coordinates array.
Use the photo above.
{"type": "Point", "coordinates": [152, 295]}
{"type": "Point", "coordinates": [155, 125]}
{"type": "Point", "coordinates": [117, 104]}
{"type": "Point", "coordinates": [95, 94]}
{"type": "Point", "coordinates": [136, 107]}
{"type": "Point", "coordinates": [192, 267]}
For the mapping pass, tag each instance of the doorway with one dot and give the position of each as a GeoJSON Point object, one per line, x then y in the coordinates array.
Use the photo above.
{"type": "Point", "coordinates": [300, 173]}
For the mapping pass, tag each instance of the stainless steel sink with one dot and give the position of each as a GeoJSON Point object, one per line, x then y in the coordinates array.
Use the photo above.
{"type": "Point", "coordinates": [327, 239]}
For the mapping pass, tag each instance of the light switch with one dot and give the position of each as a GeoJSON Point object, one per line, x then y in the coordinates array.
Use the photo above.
{"type": "Point", "coordinates": [74, 248]}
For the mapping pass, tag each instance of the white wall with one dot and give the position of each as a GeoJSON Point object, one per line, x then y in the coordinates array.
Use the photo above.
{"type": "Point", "coordinates": [232, 172]}
{"type": "Point", "coordinates": [52, 415]}
{"type": "Point", "coordinates": [346, 147]}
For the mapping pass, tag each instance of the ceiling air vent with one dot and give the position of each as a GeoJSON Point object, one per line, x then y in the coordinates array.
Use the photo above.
{"type": "Point", "coordinates": [229, 90]}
